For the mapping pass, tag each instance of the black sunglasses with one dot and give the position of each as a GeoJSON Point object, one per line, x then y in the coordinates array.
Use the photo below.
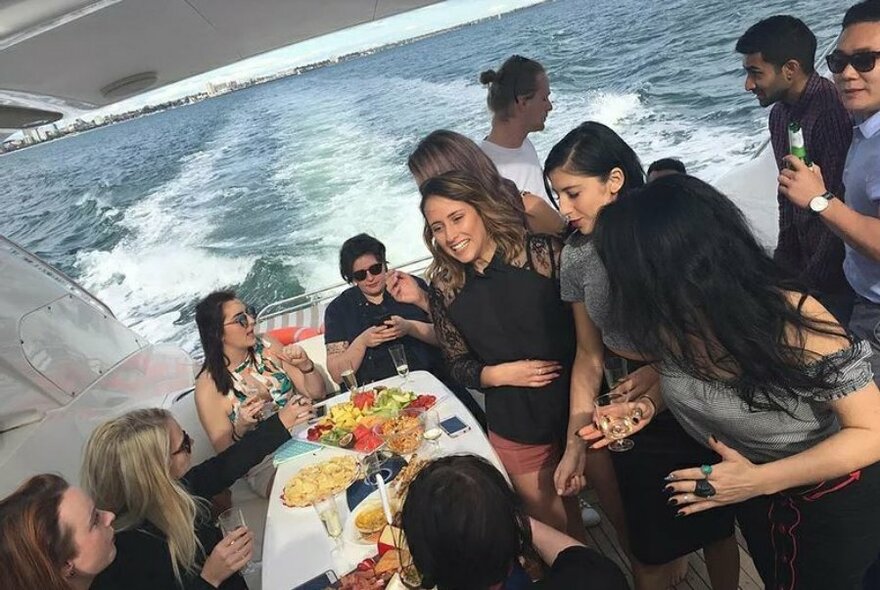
{"type": "Point", "coordinates": [863, 61]}
{"type": "Point", "coordinates": [241, 318]}
{"type": "Point", "coordinates": [186, 445]}
{"type": "Point", "coordinates": [360, 275]}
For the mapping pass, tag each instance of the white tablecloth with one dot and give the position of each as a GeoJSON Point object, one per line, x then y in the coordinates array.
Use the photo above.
{"type": "Point", "coordinates": [295, 546]}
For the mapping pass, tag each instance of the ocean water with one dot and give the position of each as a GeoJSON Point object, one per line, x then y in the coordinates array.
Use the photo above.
{"type": "Point", "coordinates": [256, 190]}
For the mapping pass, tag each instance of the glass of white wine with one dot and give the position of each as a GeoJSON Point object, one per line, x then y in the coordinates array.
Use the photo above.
{"type": "Point", "coordinates": [398, 355]}
{"type": "Point", "coordinates": [349, 377]}
{"type": "Point", "coordinates": [613, 414]}
{"type": "Point", "coordinates": [432, 432]}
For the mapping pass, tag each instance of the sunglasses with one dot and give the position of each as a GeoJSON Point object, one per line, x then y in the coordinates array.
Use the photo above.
{"type": "Point", "coordinates": [186, 445]}
{"type": "Point", "coordinates": [360, 275]}
{"type": "Point", "coordinates": [243, 318]}
{"type": "Point", "coordinates": [863, 61]}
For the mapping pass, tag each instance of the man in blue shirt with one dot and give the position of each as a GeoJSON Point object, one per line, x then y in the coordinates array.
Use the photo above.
{"type": "Point", "coordinates": [364, 321]}
{"type": "Point", "coordinates": [380, 310]}
{"type": "Point", "coordinates": [857, 220]}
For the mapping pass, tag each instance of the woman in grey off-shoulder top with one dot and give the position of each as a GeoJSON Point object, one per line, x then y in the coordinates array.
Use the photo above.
{"type": "Point", "coordinates": [761, 372]}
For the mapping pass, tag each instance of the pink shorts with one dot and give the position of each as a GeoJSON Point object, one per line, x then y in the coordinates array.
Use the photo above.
{"type": "Point", "coordinates": [521, 458]}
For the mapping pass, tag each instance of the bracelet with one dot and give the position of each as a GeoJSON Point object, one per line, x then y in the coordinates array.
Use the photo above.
{"type": "Point", "coordinates": [235, 436]}
{"type": "Point", "coordinates": [311, 369]}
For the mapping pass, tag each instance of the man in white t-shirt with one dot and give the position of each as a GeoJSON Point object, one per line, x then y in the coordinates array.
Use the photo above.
{"type": "Point", "coordinates": [519, 98]}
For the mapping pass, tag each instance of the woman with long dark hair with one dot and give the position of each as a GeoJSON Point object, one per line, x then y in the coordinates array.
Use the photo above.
{"type": "Point", "coordinates": [243, 375]}
{"type": "Point", "coordinates": [52, 537]}
{"type": "Point", "coordinates": [466, 529]}
{"type": "Point", "coordinates": [503, 329]}
{"type": "Point", "coordinates": [756, 370]}
{"type": "Point", "coordinates": [590, 168]}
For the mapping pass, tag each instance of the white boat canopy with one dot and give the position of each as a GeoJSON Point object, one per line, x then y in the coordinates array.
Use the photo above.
{"type": "Point", "coordinates": [57, 55]}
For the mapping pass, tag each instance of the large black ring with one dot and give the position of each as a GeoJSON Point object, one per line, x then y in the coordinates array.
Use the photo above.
{"type": "Point", "coordinates": [704, 489]}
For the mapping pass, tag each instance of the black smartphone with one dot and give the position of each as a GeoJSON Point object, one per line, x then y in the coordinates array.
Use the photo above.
{"type": "Point", "coordinates": [380, 321]}
{"type": "Point", "coordinates": [326, 581]}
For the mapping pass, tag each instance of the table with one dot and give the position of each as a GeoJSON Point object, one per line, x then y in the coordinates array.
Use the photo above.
{"type": "Point", "coordinates": [295, 546]}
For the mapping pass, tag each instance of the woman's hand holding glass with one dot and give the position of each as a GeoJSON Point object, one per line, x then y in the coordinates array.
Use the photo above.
{"type": "Point", "coordinates": [230, 555]}
{"type": "Point", "coordinates": [641, 388]}
{"type": "Point", "coordinates": [734, 480]}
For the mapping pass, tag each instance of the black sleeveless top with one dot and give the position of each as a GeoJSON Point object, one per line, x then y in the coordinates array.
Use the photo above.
{"type": "Point", "coordinates": [511, 313]}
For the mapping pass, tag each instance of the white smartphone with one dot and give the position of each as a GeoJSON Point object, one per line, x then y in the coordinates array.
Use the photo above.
{"type": "Point", "coordinates": [454, 426]}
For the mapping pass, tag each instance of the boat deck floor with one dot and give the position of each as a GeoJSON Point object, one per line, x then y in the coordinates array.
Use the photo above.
{"type": "Point", "coordinates": [603, 538]}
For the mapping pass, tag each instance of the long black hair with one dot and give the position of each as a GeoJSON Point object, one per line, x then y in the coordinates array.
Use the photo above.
{"type": "Point", "coordinates": [594, 149]}
{"type": "Point", "coordinates": [692, 286]}
{"type": "Point", "coordinates": [210, 319]}
{"type": "Point", "coordinates": [464, 524]}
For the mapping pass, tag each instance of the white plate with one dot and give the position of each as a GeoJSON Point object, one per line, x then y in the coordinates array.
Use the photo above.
{"type": "Point", "coordinates": [349, 532]}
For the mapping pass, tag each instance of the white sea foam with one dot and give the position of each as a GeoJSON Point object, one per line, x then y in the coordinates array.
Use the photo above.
{"type": "Point", "coordinates": [165, 260]}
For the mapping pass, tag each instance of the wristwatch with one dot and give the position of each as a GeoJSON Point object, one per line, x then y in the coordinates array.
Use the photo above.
{"type": "Point", "coordinates": [820, 203]}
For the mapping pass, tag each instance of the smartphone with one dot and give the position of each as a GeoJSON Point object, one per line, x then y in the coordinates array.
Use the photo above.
{"type": "Point", "coordinates": [380, 321]}
{"type": "Point", "coordinates": [320, 412]}
{"type": "Point", "coordinates": [454, 426]}
{"type": "Point", "coordinates": [326, 581]}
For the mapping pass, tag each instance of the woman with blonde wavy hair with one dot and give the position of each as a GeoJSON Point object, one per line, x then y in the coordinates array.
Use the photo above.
{"type": "Point", "coordinates": [138, 466]}
{"type": "Point", "coordinates": [504, 329]}
{"type": "Point", "coordinates": [442, 151]}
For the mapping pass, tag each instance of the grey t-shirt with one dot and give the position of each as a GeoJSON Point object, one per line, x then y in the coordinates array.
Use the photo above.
{"type": "Point", "coordinates": [703, 408]}
{"type": "Point", "coordinates": [583, 279]}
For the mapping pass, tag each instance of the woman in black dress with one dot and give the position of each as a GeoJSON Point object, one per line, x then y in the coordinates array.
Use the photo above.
{"type": "Point", "coordinates": [503, 329]}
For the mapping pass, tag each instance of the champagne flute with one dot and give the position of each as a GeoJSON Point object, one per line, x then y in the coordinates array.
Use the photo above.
{"type": "Point", "coordinates": [328, 511]}
{"type": "Point", "coordinates": [231, 520]}
{"type": "Point", "coordinates": [398, 355]}
{"type": "Point", "coordinates": [349, 377]}
{"type": "Point", "coordinates": [613, 414]}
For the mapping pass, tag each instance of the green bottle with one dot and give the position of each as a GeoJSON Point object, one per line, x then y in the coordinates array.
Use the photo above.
{"type": "Point", "coordinates": [796, 145]}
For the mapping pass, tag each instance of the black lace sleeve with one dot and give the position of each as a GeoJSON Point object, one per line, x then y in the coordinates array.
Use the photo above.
{"type": "Point", "coordinates": [545, 254]}
{"type": "Point", "coordinates": [464, 367]}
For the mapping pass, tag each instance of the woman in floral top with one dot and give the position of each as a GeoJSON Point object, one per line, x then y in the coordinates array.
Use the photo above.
{"type": "Point", "coordinates": [245, 377]}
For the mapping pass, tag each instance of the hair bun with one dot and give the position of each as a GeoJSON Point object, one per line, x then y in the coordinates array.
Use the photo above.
{"type": "Point", "coordinates": [488, 77]}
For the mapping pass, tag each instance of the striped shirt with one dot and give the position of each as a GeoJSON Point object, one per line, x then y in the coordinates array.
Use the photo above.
{"type": "Point", "coordinates": [703, 408]}
{"type": "Point", "coordinates": [807, 247]}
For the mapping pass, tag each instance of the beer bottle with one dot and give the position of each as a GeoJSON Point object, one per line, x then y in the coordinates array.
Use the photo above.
{"type": "Point", "coordinates": [796, 145]}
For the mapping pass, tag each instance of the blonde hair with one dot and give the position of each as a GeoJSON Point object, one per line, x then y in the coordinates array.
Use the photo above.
{"type": "Point", "coordinates": [503, 226]}
{"type": "Point", "coordinates": [127, 470]}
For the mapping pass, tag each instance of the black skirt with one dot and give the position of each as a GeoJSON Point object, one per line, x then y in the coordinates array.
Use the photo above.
{"type": "Point", "coordinates": [655, 535]}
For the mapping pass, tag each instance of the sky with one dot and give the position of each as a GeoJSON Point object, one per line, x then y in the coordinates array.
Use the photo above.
{"type": "Point", "coordinates": [395, 29]}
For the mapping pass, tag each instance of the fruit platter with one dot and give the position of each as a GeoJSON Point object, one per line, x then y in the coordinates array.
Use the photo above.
{"type": "Point", "coordinates": [353, 424]}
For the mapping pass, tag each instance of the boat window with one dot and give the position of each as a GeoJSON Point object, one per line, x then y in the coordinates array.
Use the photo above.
{"type": "Point", "coordinates": [71, 343]}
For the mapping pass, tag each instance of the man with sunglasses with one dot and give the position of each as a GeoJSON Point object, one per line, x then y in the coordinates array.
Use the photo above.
{"type": "Point", "coordinates": [364, 321]}
{"type": "Point", "coordinates": [857, 220]}
{"type": "Point", "coordinates": [778, 56]}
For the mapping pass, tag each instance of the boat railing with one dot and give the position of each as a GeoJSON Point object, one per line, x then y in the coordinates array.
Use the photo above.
{"type": "Point", "coordinates": [317, 301]}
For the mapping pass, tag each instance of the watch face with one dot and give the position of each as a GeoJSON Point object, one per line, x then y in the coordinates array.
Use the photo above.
{"type": "Point", "coordinates": [818, 204]}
